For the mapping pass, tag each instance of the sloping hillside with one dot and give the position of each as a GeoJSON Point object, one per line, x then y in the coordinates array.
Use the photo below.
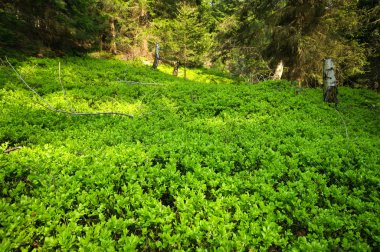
{"type": "Point", "coordinates": [217, 165]}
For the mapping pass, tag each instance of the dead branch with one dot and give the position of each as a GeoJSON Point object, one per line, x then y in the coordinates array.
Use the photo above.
{"type": "Point", "coordinates": [140, 83]}
{"type": "Point", "coordinates": [63, 90]}
{"type": "Point", "coordinates": [12, 149]}
{"type": "Point", "coordinates": [50, 107]}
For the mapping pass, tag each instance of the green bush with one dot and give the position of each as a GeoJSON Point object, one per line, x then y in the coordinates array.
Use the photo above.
{"type": "Point", "coordinates": [201, 166]}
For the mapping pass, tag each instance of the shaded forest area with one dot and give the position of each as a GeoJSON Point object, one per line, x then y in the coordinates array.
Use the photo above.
{"type": "Point", "coordinates": [246, 38]}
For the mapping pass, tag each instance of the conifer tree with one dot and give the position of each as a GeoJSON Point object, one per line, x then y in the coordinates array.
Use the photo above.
{"type": "Point", "coordinates": [127, 23]}
{"type": "Point", "coordinates": [306, 32]}
{"type": "Point", "coordinates": [183, 39]}
{"type": "Point", "coordinates": [369, 34]}
{"type": "Point", "coordinates": [34, 25]}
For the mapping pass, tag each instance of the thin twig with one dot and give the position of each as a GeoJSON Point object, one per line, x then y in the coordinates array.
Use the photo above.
{"type": "Point", "coordinates": [345, 126]}
{"type": "Point", "coordinates": [30, 88]}
{"type": "Point", "coordinates": [50, 107]}
{"type": "Point", "coordinates": [12, 149]}
{"type": "Point", "coordinates": [140, 83]}
{"type": "Point", "coordinates": [63, 90]}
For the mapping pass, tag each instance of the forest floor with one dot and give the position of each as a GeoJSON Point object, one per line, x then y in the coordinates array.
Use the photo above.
{"type": "Point", "coordinates": [205, 163]}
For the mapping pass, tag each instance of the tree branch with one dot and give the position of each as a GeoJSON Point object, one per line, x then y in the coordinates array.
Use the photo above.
{"type": "Point", "coordinates": [50, 107]}
{"type": "Point", "coordinates": [12, 149]}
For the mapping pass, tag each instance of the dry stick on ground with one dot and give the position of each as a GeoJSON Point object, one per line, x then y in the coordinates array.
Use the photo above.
{"type": "Point", "coordinates": [12, 149]}
{"type": "Point", "coordinates": [63, 90]}
{"type": "Point", "coordinates": [344, 122]}
{"type": "Point", "coordinates": [137, 82]}
{"type": "Point", "coordinates": [52, 108]}
{"type": "Point", "coordinates": [140, 83]}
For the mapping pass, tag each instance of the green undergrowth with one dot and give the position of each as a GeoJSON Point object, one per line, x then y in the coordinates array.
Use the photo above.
{"type": "Point", "coordinates": [203, 75]}
{"type": "Point", "coordinates": [266, 167]}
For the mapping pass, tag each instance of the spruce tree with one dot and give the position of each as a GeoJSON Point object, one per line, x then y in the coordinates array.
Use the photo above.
{"type": "Point", "coordinates": [306, 32]}
{"type": "Point", "coordinates": [183, 39]}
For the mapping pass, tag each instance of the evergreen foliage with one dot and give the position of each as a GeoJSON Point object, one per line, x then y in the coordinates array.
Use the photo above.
{"type": "Point", "coordinates": [46, 26]}
{"type": "Point", "coordinates": [308, 31]}
{"type": "Point", "coordinates": [184, 39]}
{"type": "Point", "coordinates": [370, 35]}
{"type": "Point", "coordinates": [207, 162]}
{"type": "Point", "coordinates": [247, 38]}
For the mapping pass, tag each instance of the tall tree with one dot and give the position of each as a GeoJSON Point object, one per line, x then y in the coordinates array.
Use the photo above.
{"type": "Point", "coordinates": [307, 31]}
{"type": "Point", "coordinates": [184, 39]}
{"type": "Point", "coordinates": [114, 32]}
{"type": "Point", "coordinates": [242, 35]}
{"type": "Point", "coordinates": [257, 34]}
{"type": "Point", "coordinates": [369, 34]}
{"type": "Point", "coordinates": [128, 25]}
{"type": "Point", "coordinates": [56, 24]}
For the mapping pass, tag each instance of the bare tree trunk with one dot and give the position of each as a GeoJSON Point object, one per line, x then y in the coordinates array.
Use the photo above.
{"type": "Point", "coordinates": [279, 70]}
{"type": "Point", "coordinates": [113, 48]}
{"type": "Point", "coordinates": [185, 54]}
{"type": "Point", "coordinates": [175, 70]}
{"type": "Point", "coordinates": [329, 82]}
{"type": "Point", "coordinates": [144, 48]}
{"type": "Point", "coordinates": [156, 56]}
{"type": "Point", "coordinates": [143, 23]}
{"type": "Point", "coordinates": [101, 43]}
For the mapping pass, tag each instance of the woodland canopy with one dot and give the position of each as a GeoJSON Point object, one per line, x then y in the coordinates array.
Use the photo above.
{"type": "Point", "coordinates": [247, 38]}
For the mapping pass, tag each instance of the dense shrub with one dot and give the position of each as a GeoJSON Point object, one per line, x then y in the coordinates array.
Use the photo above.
{"type": "Point", "coordinates": [201, 166]}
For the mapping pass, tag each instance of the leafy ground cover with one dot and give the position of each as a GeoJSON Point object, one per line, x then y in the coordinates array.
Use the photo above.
{"type": "Point", "coordinates": [200, 166]}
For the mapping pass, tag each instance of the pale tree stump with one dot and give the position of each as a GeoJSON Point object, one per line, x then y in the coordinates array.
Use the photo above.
{"type": "Point", "coordinates": [156, 56]}
{"type": "Point", "coordinates": [279, 70]}
{"type": "Point", "coordinates": [330, 93]}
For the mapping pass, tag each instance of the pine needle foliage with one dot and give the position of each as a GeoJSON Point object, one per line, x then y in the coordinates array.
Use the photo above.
{"type": "Point", "coordinates": [184, 39]}
{"type": "Point", "coordinates": [306, 32]}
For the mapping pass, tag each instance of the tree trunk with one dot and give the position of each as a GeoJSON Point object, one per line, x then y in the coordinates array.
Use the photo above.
{"type": "Point", "coordinates": [144, 50]}
{"type": "Point", "coordinates": [329, 82]}
{"type": "Point", "coordinates": [279, 70]}
{"type": "Point", "coordinates": [175, 70]}
{"type": "Point", "coordinates": [113, 48]}
{"type": "Point", "coordinates": [185, 54]}
{"type": "Point", "coordinates": [101, 42]}
{"type": "Point", "coordinates": [156, 56]}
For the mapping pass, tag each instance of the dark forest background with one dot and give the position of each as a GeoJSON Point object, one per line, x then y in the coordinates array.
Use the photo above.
{"type": "Point", "coordinates": [246, 38]}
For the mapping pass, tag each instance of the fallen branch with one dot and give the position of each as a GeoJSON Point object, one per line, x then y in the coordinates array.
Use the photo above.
{"type": "Point", "coordinates": [63, 90]}
{"type": "Point", "coordinates": [141, 83]}
{"type": "Point", "coordinates": [344, 122]}
{"type": "Point", "coordinates": [12, 149]}
{"type": "Point", "coordinates": [50, 107]}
